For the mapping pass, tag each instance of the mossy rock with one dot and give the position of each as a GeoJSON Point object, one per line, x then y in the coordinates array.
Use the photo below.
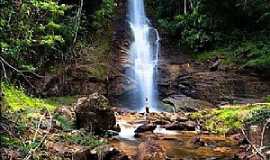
{"type": "Point", "coordinates": [93, 113]}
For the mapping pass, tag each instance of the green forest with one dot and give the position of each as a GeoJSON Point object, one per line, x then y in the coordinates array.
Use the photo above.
{"type": "Point", "coordinates": [135, 79]}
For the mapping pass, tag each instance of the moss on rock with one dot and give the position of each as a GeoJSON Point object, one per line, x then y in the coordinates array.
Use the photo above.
{"type": "Point", "coordinates": [232, 117]}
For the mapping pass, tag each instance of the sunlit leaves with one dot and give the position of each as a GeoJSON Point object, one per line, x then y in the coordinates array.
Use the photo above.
{"type": "Point", "coordinates": [104, 14]}
{"type": "Point", "coordinates": [51, 6]}
{"type": "Point", "coordinates": [53, 26]}
{"type": "Point", "coordinates": [36, 29]}
{"type": "Point", "coordinates": [50, 40]}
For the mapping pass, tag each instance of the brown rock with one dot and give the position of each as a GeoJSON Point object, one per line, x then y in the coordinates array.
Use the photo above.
{"type": "Point", "coordinates": [239, 138]}
{"type": "Point", "coordinates": [188, 125]}
{"type": "Point", "coordinates": [94, 114]}
{"type": "Point", "coordinates": [218, 87]}
{"type": "Point", "coordinates": [150, 150]}
{"type": "Point", "coordinates": [198, 141]}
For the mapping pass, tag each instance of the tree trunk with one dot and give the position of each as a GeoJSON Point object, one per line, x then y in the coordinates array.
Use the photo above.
{"type": "Point", "coordinates": [78, 19]}
{"type": "Point", "coordinates": [185, 6]}
{"type": "Point", "coordinates": [191, 4]}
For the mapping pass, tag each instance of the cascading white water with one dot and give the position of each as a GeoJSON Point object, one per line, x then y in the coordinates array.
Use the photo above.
{"type": "Point", "coordinates": [127, 130]}
{"type": "Point", "coordinates": [144, 53]}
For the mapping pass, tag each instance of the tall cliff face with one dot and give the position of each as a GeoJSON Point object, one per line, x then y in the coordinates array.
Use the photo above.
{"type": "Point", "coordinates": [119, 84]}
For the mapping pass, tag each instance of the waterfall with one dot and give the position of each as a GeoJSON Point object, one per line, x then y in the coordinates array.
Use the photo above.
{"type": "Point", "coordinates": [144, 52]}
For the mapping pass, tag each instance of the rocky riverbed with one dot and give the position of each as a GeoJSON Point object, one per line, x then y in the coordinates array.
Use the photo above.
{"type": "Point", "coordinates": [184, 141]}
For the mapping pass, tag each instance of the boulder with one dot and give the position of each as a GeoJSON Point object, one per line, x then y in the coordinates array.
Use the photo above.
{"type": "Point", "coordinates": [150, 150]}
{"type": "Point", "coordinates": [68, 150]}
{"type": "Point", "coordinates": [180, 117]}
{"type": "Point", "coordinates": [187, 104]}
{"type": "Point", "coordinates": [198, 141]}
{"type": "Point", "coordinates": [188, 125]}
{"type": "Point", "coordinates": [145, 128]}
{"type": "Point", "coordinates": [108, 153]}
{"type": "Point", "coordinates": [239, 138]}
{"type": "Point", "coordinates": [66, 111]}
{"type": "Point", "coordinates": [93, 113]}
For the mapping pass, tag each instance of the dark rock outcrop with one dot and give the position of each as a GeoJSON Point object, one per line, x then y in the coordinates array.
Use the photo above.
{"type": "Point", "coordinates": [145, 128]}
{"type": "Point", "coordinates": [187, 104]}
{"type": "Point", "coordinates": [94, 114]}
{"type": "Point", "coordinates": [72, 80]}
{"type": "Point", "coordinates": [219, 87]}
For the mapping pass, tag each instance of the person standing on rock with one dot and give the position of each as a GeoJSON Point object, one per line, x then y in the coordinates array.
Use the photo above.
{"type": "Point", "coordinates": [146, 107]}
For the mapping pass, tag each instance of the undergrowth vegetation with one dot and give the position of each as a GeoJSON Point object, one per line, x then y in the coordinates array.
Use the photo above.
{"type": "Point", "coordinates": [83, 139]}
{"type": "Point", "coordinates": [231, 118]}
{"type": "Point", "coordinates": [247, 54]}
{"type": "Point", "coordinates": [16, 99]}
{"type": "Point", "coordinates": [26, 120]}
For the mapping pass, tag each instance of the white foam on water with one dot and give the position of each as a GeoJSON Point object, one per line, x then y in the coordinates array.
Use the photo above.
{"type": "Point", "coordinates": [160, 130]}
{"type": "Point", "coordinates": [127, 130]}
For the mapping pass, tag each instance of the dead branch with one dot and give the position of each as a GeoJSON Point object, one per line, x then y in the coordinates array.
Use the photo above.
{"type": "Point", "coordinates": [35, 74]}
{"type": "Point", "coordinates": [3, 61]}
{"type": "Point", "coordinates": [263, 131]}
{"type": "Point", "coordinates": [31, 151]}
{"type": "Point", "coordinates": [4, 70]}
{"type": "Point", "coordinates": [257, 151]}
{"type": "Point", "coordinates": [9, 65]}
{"type": "Point", "coordinates": [38, 127]}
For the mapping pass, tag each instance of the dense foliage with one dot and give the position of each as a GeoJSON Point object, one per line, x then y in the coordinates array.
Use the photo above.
{"type": "Point", "coordinates": [236, 25]}
{"type": "Point", "coordinates": [35, 33]}
{"type": "Point", "coordinates": [201, 22]}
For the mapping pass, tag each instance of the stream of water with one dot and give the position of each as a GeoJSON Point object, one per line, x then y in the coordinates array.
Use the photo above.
{"type": "Point", "coordinates": [178, 145]}
{"type": "Point", "coordinates": [144, 52]}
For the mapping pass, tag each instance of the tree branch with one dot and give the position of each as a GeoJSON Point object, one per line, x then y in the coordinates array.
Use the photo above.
{"type": "Point", "coordinates": [257, 151]}
{"type": "Point", "coordinates": [263, 131]}
{"type": "Point", "coordinates": [4, 70]}
{"type": "Point", "coordinates": [31, 151]}
{"type": "Point", "coordinates": [4, 62]}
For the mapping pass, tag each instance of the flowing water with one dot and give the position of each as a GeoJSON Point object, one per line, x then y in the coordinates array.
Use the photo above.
{"type": "Point", "coordinates": [143, 52]}
{"type": "Point", "coordinates": [127, 130]}
{"type": "Point", "coordinates": [178, 145]}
